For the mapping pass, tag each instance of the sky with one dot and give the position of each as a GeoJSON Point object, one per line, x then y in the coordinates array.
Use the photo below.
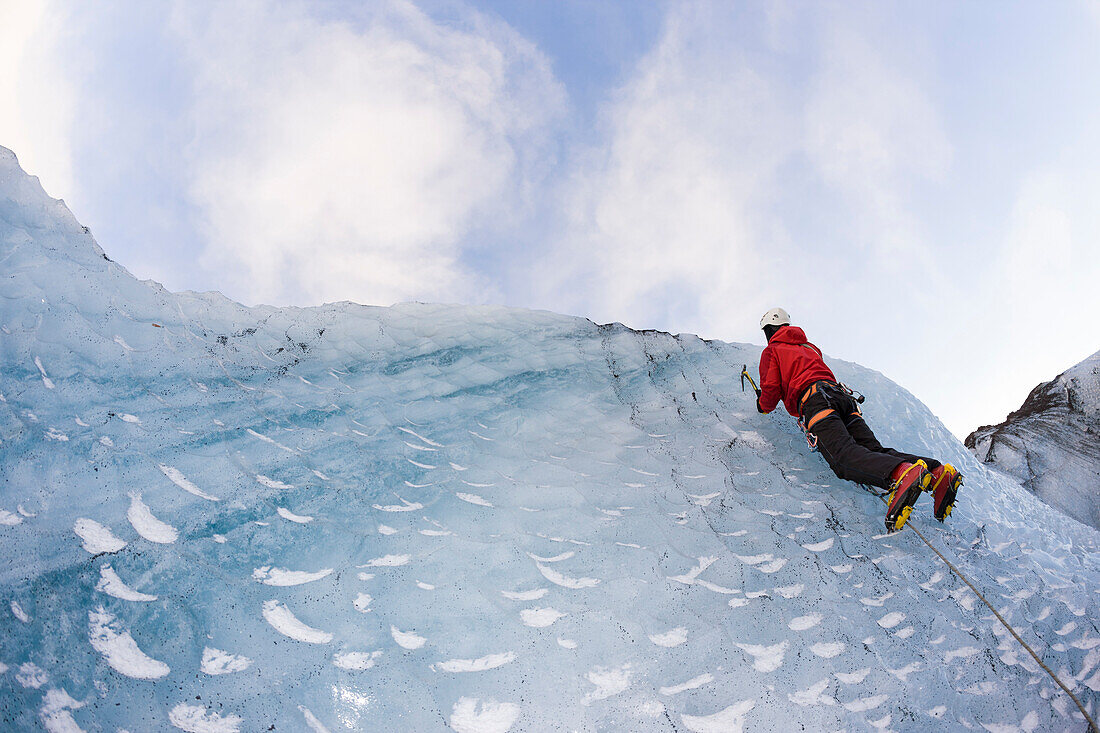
{"type": "Point", "coordinates": [914, 182]}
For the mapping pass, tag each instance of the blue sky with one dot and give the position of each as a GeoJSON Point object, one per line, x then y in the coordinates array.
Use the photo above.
{"type": "Point", "coordinates": [914, 182]}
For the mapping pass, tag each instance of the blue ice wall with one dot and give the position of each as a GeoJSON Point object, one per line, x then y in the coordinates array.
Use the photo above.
{"type": "Point", "coordinates": [427, 518]}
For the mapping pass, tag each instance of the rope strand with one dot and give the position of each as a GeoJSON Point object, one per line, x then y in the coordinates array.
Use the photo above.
{"type": "Point", "coordinates": [1004, 622]}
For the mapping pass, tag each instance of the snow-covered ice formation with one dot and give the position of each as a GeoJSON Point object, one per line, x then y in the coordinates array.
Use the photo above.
{"type": "Point", "coordinates": [1051, 445]}
{"type": "Point", "coordinates": [474, 518]}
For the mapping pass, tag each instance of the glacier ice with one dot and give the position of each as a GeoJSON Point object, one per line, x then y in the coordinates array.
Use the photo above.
{"type": "Point", "coordinates": [1050, 443]}
{"type": "Point", "coordinates": [481, 519]}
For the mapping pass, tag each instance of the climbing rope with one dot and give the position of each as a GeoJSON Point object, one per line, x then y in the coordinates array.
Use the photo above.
{"type": "Point", "coordinates": [1004, 622]}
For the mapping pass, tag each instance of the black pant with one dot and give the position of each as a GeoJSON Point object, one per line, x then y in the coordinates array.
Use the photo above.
{"type": "Point", "coordinates": [847, 443]}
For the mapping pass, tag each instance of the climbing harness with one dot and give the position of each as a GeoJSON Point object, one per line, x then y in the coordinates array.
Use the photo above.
{"type": "Point", "coordinates": [824, 387]}
{"type": "Point", "coordinates": [1005, 623]}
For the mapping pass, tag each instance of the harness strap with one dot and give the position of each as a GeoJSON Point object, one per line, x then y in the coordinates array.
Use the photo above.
{"type": "Point", "coordinates": [808, 394]}
{"type": "Point", "coordinates": [812, 390]}
{"type": "Point", "coordinates": [819, 417]}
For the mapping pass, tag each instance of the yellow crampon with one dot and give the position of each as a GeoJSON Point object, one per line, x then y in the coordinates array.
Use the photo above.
{"type": "Point", "coordinates": [903, 515]}
{"type": "Point", "coordinates": [944, 491]}
{"type": "Point", "coordinates": [903, 518]}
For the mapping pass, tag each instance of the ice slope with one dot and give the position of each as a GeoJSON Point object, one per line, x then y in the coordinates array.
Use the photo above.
{"type": "Point", "coordinates": [1051, 445]}
{"type": "Point", "coordinates": [427, 518]}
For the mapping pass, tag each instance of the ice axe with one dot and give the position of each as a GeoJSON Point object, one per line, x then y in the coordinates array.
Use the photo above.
{"type": "Point", "coordinates": [745, 374]}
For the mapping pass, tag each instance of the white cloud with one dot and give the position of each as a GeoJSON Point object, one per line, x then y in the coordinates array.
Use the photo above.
{"type": "Point", "coordinates": [1092, 9]}
{"type": "Point", "coordinates": [36, 114]}
{"type": "Point", "coordinates": [1028, 311]}
{"type": "Point", "coordinates": [347, 159]}
{"type": "Point", "coordinates": [1043, 282]}
{"type": "Point", "coordinates": [668, 215]}
{"type": "Point", "coordinates": [1038, 255]}
{"type": "Point", "coordinates": [683, 214]}
{"type": "Point", "coordinates": [872, 133]}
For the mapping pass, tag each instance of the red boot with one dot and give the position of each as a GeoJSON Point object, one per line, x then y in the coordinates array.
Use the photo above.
{"type": "Point", "coordinates": [946, 481]}
{"type": "Point", "coordinates": [907, 482]}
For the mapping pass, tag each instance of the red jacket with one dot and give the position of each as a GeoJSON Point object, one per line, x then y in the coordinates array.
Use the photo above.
{"type": "Point", "coordinates": [789, 365]}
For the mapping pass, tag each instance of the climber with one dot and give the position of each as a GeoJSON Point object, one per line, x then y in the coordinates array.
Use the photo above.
{"type": "Point", "coordinates": [792, 370]}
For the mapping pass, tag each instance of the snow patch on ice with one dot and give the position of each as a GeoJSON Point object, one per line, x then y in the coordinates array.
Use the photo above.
{"type": "Point", "coordinates": [112, 585]}
{"type": "Point", "coordinates": [387, 561]}
{"type": "Point", "coordinates": [272, 483]}
{"type": "Point", "coordinates": [119, 648]}
{"type": "Point", "coordinates": [148, 526]}
{"type": "Point", "coordinates": [19, 613]}
{"type": "Point", "coordinates": [555, 558]}
{"type": "Point", "coordinates": [727, 720]}
{"type": "Point", "coordinates": [491, 661]}
{"type": "Point", "coordinates": [176, 476]}
{"type": "Point", "coordinates": [45, 379]}
{"type": "Point", "coordinates": [407, 639]}
{"type": "Point", "coordinates": [96, 538]}
{"type": "Point", "coordinates": [283, 577]}
{"type": "Point", "coordinates": [891, 620]}
{"type": "Point", "coordinates": [291, 516]}
{"type": "Point", "coordinates": [766, 658]}
{"type": "Point", "coordinates": [608, 681]}
{"type": "Point", "coordinates": [540, 618]}
{"type": "Point", "coordinates": [405, 506]}
{"type": "Point", "coordinates": [801, 623]}
{"type": "Point", "coordinates": [961, 653]}
{"type": "Point", "coordinates": [197, 719]}
{"type": "Point", "coordinates": [31, 676]}
{"type": "Point", "coordinates": [55, 715]}
{"type": "Point", "coordinates": [854, 678]}
{"type": "Point", "coordinates": [828, 649]}
{"type": "Point", "coordinates": [356, 661]}
{"type": "Point", "coordinates": [813, 695]}
{"type": "Point", "coordinates": [286, 623]}
{"type": "Point", "coordinates": [314, 724]}
{"type": "Point", "coordinates": [471, 715]}
{"type": "Point", "coordinates": [689, 577]}
{"type": "Point", "coordinates": [669, 639]}
{"type": "Point", "coordinates": [216, 661]}
{"type": "Point", "coordinates": [564, 580]}
{"type": "Point", "coordinates": [693, 684]}
{"type": "Point", "coordinates": [472, 499]}
{"type": "Point", "coordinates": [526, 595]}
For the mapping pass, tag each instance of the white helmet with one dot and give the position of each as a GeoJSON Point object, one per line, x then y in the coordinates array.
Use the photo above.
{"type": "Point", "coordinates": [776, 317]}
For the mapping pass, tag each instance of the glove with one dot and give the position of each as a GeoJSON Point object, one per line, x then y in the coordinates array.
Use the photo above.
{"type": "Point", "coordinates": [760, 409]}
